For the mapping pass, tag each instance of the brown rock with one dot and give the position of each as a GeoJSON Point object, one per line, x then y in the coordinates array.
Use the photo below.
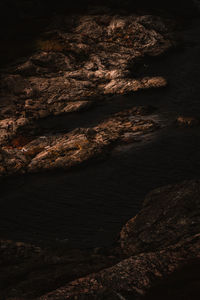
{"type": "Point", "coordinates": [80, 145]}
{"type": "Point", "coordinates": [132, 276]}
{"type": "Point", "coordinates": [161, 238]}
{"type": "Point", "coordinates": [187, 121]}
{"type": "Point", "coordinates": [168, 215]}
{"type": "Point", "coordinates": [78, 62]}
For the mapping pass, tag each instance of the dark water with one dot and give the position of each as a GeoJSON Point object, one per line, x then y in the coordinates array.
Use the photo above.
{"type": "Point", "coordinates": [87, 207]}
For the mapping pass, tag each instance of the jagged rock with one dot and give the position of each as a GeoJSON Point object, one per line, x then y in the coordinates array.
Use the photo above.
{"type": "Point", "coordinates": [73, 148]}
{"type": "Point", "coordinates": [81, 59]}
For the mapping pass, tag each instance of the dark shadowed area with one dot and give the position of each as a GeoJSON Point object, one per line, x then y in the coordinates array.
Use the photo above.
{"type": "Point", "coordinates": [73, 207]}
{"type": "Point", "coordinates": [88, 206]}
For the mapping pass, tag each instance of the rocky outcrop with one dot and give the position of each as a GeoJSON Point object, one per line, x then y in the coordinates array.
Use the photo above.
{"type": "Point", "coordinates": [28, 271]}
{"type": "Point", "coordinates": [160, 239]}
{"type": "Point", "coordinates": [85, 58]}
{"type": "Point", "coordinates": [73, 148]}
{"type": "Point", "coordinates": [169, 214]}
{"type": "Point", "coordinates": [80, 60]}
{"type": "Point", "coordinates": [132, 276]}
{"type": "Point", "coordinates": [163, 237]}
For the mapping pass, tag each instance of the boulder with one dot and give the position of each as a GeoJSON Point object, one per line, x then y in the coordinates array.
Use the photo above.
{"type": "Point", "coordinates": [169, 214]}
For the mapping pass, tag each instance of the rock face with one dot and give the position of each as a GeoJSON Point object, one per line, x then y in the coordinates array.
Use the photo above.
{"type": "Point", "coordinates": [131, 277]}
{"type": "Point", "coordinates": [161, 238]}
{"type": "Point", "coordinates": [169, 214]}
{"type": "Point", "coordinates": [82, 144]}
{"type": "Point", "coordinates": [28, 271]}
{"type": "Point", "coordinates": [80, 60]}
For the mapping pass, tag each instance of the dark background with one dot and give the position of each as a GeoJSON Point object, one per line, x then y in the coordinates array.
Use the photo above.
{"type": "Point", "coordinates": [14, 9]}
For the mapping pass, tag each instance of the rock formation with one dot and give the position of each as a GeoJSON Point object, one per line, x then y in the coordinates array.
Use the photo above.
{"type": "Point", "coordinates": [161, 238]}
{"type": "Point", "coordinates": [73, 148]}
{"type": "Point", "coordinates": [80, 60]}
{"type": "Point", "coordinates": [169, 214]}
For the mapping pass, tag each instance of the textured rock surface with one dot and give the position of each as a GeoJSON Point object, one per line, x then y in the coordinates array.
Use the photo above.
{"type": "Point", "coordinates": [132, 276]}
{"type": "Point", "coordinates": [169, 214]}
{"type": "Point", "coordinates": [88, 57]}
{"type": "Point", "coordinates": [161, 238]}
{"type": "Point", "coordinates": [80, 60]}
{"type": "Point", "coordinates": [73, 148]}
{"type": "Point", "coordinates": [28, 271]}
